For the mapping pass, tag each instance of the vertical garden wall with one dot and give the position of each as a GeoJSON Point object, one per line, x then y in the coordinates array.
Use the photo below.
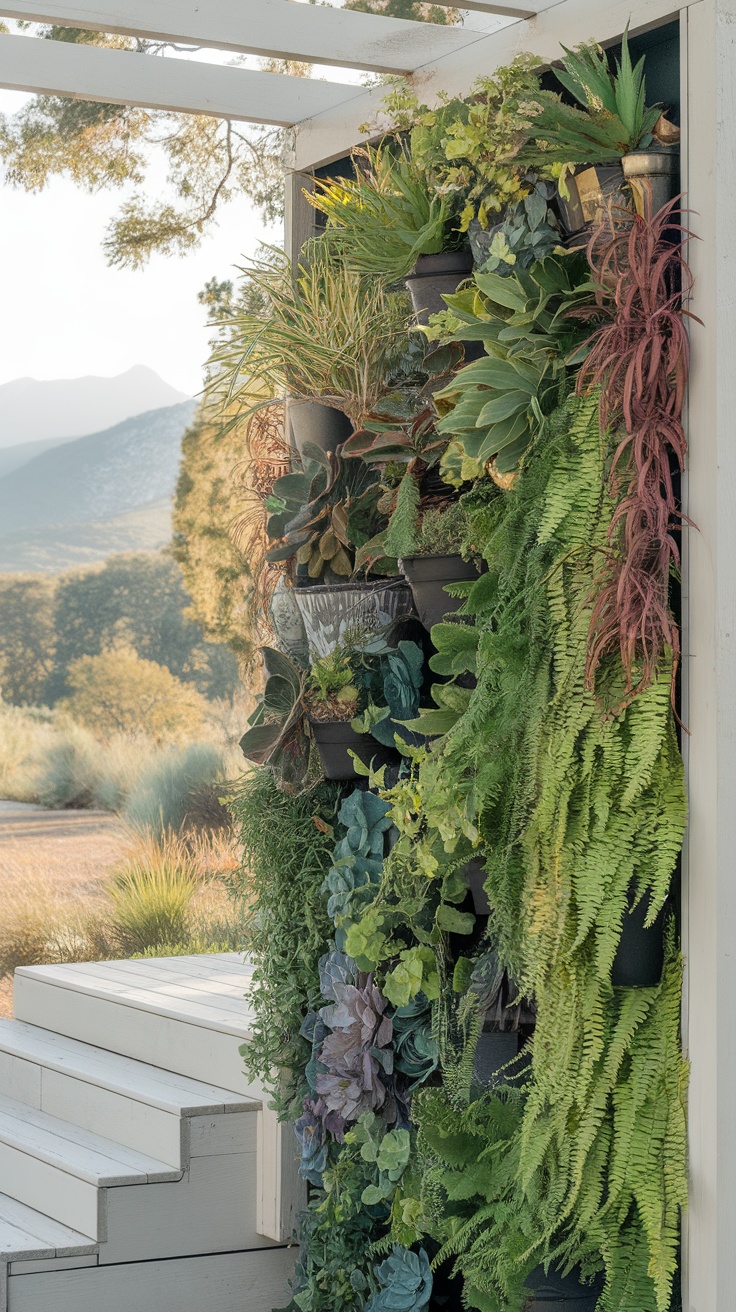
{"type": "Point", "coordinates": [466, 807]}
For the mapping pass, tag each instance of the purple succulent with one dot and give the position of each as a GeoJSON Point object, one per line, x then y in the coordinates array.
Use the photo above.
{"type": "Point", "coordinates": [312, 1136]}
{"type": "Point", "coordinates": [356, 1054]}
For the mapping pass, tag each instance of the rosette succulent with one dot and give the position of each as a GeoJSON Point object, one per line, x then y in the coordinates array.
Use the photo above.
{"type": "Point", "coordinates": [405, 1281]}
{"type": "Point", "coordinates": [358, 859]}
{"type": "Point", "coordinates": [312, 1138]}
{"type": "Point", "coordinates": [356, 1055]}
{"type": "Point", "coordinates": [415, 1048]}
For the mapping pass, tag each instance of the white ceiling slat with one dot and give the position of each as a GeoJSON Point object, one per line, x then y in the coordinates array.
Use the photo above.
{"type": "Point", "coordinates": [121, 77]}
{"type": "Point", "coordinates": [331, 135]}
{"type": "Point", "coordinates": [274, 28]}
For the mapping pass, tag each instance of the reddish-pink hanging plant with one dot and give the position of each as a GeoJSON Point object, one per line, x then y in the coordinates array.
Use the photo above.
{"type": "Point", "coordinates": [640, 361]}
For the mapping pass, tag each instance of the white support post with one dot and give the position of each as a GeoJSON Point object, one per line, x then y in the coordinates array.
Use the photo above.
{"type": "Point", "coordinates": [710, 661]}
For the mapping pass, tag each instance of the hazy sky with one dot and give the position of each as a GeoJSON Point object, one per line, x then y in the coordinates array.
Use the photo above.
{"type": "Point", "coordinates": [65, 313]}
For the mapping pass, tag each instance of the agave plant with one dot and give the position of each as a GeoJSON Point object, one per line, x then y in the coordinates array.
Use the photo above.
{"type": "Point", "coordinates": [277, 734]}
{"type": "Point", "coordinates": [401, 443]}
{"type": "Point", "coordinates": [495, 407]}
{"type": "Point", "coordinates": [614, 118]}
{"type": "Point", "coordinates": [320, 514]}
{"type": "Point", "coordinates": [405, 1283]}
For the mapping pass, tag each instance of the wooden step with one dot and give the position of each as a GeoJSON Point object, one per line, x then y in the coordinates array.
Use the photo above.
{"type": "Point", "coordinates": [129, 1101]}
{"type": "Point", "coordinates": [225, 1282]}
{"type": "Point", "coordinates": [31, 1242]}
{"type": "Point", "coordinates": [186, 1015]}
{"type": "Point", "coordinates": [64, 1171]}
{"type": "Point", "coordinates": [173, 1012]}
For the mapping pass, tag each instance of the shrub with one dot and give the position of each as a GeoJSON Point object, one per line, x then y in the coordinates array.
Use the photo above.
{"type": "Point", "coordinates": [78, 771]}
{"type": "Point", "coordinates": [25, 739]}
{"type": "Point", "coordinates": [119, 692]}
{"type": "Point", "coordinates": [179, 789]}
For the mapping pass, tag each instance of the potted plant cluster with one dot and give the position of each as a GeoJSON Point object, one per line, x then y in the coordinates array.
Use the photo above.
{"type": "Point", "coordinates": [482, 1057]}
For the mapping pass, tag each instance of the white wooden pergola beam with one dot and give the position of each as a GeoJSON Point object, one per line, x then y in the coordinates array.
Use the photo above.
{"type": "Point", "coordinates": [121, 77]}
{"type": "Point", "coordinates": [278, 29]}
{"type": "Point", "coordinates": [331, 135]}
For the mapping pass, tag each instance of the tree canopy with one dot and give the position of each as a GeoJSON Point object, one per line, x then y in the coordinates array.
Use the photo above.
{"type": "Point", "coordinates": [210, 161]}
{"type": "Point", "coordinates": [119, 692]}
{"type": "Point", "coordinates": [139, 600]}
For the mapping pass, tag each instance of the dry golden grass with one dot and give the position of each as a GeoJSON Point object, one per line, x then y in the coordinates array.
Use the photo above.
{"type": "Point", "coordinates": [60, 879]}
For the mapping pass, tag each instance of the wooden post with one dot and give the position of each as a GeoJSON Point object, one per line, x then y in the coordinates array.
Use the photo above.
{"type": "Point", "coordinates": [709, 670]}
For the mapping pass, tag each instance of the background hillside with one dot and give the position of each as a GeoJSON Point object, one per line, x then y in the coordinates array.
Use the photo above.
{"type": "Point", "coordinates": [35, 411]}
{"type": "Point", "coordinates": [80, 501]}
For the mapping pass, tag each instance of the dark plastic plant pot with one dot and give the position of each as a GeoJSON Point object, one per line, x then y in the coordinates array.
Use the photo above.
{"type": "Point", "coordinates": [435, 276]}
{"type": "Point", "coordinates": [319, 424]}
{"type": "Point", "coordinates": [335, 740]}
{"type": "Point", "coordinates": [592, 190]}
{"type": "Point", "coordinates": [493, 1050]}
{"type": "Point", "coordinates": [330, 610]}
{"type": "Point", "coordinates": [428, 576]}
{"type": "Point", "coordinates": [554, 1291]}
{"type": "Point", "coordinates": [652, 176]}
{"type": "Point", "coordinates": [639, 959]}
{"type": "Point", "coordinates": [474, 874]}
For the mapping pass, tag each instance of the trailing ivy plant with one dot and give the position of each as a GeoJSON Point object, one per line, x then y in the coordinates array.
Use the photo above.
{"type": "Point", "coordinates": [287, 849]}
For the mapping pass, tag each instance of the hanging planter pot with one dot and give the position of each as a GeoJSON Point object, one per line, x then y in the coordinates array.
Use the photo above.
{"type": "Point", "coordinates": [313, 422]}
{"type": "Point", "coordinates": [330, 610]}
{"type": "Point", "coordinates": [428, 576]}
{"type": "Point", "coordinates": [639, 959]}
{"type": "Point", "coordinates": [435, 276]}
{"type": "Point", "coordinates": [591, 190]}
{"type": "Point", "coordinates": [474, 874]}
{"type": "Point", "coordinates": [493, 1051]}
{"type": "Point", "coordinates": [652, 176]}
{"type": "Point", "coordinates": [552, 1292]}
{"type": "Point", "coordinates": [335, 739]}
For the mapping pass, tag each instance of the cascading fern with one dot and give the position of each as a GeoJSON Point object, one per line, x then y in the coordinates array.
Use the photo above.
{"type": "Point", "coordinates": [578, 811]}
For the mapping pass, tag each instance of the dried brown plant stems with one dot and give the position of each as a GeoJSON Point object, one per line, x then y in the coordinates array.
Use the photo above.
{"type": "Point", "coordinates": [640, 359]}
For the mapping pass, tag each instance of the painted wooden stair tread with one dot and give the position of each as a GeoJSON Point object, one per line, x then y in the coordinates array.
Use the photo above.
{"type": "Point", "coordinates": [178, 1094]}
{"type": "Point", "coordinates": [80, 1153]}
{"type": "Point", "coordinates": [178, 996]}
{"type": "Point", "coordinates": [29, 1235]}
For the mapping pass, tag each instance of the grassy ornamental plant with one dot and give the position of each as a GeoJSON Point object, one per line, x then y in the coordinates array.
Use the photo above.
{"type": "Point", "coordinates": [322, 332]}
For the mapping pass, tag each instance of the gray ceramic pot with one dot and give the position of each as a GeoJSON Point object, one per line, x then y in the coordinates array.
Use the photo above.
{"type": "Point", "coordinates": [435, 276]}
{"type": "Point", "coordinates": [428, 576]}
{"type": "Point", "coordinates": [652, 176]}
{"type": "Point", "coordinates": [316, 424]}
{"type": "Point", "coordinates": [330, 610]}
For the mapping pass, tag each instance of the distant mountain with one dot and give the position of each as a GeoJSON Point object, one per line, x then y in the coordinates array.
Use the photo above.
{"type": "Point", "coordinates": [34, 411]}
{"type": "Point", "coordinates": [80, 501]}
{"type": "Point", "coordinates": [12, 457]}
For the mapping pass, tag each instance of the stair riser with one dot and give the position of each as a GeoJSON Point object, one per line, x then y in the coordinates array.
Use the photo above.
{"type": "Point", "coordinates": [193, 1050]}
{"type": "Point", "coordinates": [230, 1282]}
{"type": "Point", "coordinates": [54, 1192]}
{"type": "Point", "coordinates": [124, 1120]}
